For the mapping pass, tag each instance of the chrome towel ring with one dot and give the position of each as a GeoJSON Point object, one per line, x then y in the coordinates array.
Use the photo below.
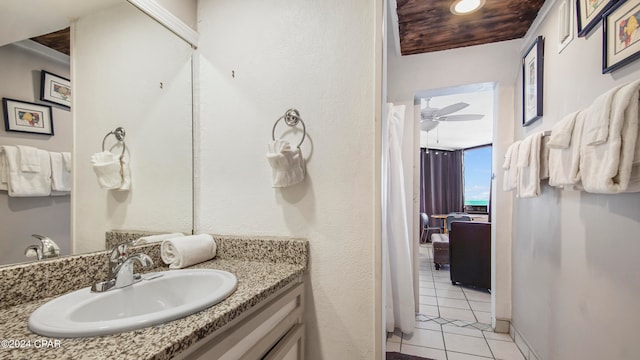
{"type": "Point", "coordinates": [292, 118]}
{"type": "Point", "coordinates": [119, 133]}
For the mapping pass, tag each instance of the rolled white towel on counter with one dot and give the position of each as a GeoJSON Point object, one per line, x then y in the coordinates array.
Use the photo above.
{"type": "Point", "coordinates": [185, 251]}
{"type": "Point", "coordinates": [156, 238]}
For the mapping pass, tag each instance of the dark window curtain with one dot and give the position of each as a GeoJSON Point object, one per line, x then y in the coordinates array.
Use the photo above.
{"type": "Point", "coordinates": [441, 182]}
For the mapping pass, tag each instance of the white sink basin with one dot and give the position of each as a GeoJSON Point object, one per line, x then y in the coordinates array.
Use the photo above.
{"type": "Point", "coordinates": [160, 297]}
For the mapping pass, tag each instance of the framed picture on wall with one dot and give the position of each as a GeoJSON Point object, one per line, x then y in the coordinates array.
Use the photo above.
{"type": "Point", "coordinates": [22, 116]}
{"type": "Point", "coordinates": [620, 35]}
{"type": "Point", "coordinates": [589, 13]}
{"type": "Point", "coordinates": [532, 82]}
{"type": "Point", "coordinates": [55, 89]}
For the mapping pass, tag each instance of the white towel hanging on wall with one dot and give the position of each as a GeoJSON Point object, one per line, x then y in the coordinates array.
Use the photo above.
{"type": "Point", "coordinates": [287, 163]}
{"type": "Point", "coordinates": [112, 170]}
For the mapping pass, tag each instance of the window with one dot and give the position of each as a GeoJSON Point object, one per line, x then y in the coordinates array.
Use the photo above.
{"type": "Point", "coordinates": [477, 179]}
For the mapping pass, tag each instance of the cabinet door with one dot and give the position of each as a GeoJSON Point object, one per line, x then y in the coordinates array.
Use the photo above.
{"type": "Point", "coordinates": [291, 347]}
{"type": "Point", "coordinates": [256, 335]}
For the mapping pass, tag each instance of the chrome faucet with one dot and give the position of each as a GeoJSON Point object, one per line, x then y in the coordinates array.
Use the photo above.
{"type": "Point", "coordinates": [47, 249]}
{"type": "Point", "coordinates": [121, 269]}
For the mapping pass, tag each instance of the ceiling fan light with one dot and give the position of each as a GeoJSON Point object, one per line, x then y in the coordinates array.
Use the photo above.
{"type": "Point", "coordinates": [464, 7]}
{"type": "Point", "coordinates": [428, 125]}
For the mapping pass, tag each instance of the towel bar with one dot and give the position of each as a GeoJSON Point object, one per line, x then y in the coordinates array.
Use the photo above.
{"type": "Point", "coordinates": [119, 133]}
{"type": "Point", "coordinates": [291, 117]}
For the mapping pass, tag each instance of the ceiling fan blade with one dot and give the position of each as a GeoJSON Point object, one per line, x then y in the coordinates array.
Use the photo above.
{"type": "Point", "coordinates": [428, 125]}
{"type": "Point", "coordinates": [451, 109]}
{"type": "Point", "coordinates": [461, 117]}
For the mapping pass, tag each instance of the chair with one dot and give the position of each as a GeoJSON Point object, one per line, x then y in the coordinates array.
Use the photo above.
{"type": "Point", "coordinates": [456, 217]}
{"type": "Point", "coordinates": [441, 241]}
{"type": "Point", "coordinates": [424, 236]}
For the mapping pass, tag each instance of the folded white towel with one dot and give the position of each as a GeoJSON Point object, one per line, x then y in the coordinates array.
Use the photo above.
{"type": "Point", "coordinates": [524, 152]}
{"type": "Point", "coordinates": [510, 179]}
{"type": "Point", "coordinates": [4, 170]}
{"type": "Point", "coordinates": [609, 167]}
{"type": "Point", "coordinates": [561, 133]}
{"type": "Point", "coordinates": [185, 251]}
{"type": "Point", "coordinates": [564, 163]}
{"type": "Point", "coordinates": [598, 118]}
{"type": "Point", "coordinates": [29, 158]}
{"type": "Point", "coordinates": [529, 174]}
{"type": "Point", "coordinates": [60, 177]}
{"type": "Point", "coordinates": [156, 238]}
{"type": "Point", "coordinates": [112, 171]}
{"type": "Point", "coordinates": [544, 157]}
{"type": "Point", "coordinates": [66, 157]}
{"type": "Point", "coordinates": [24, 184]}
{"type": "Point", "coordinates": [287, 164]}
{"type": "Point", "coordinates": [507, 158]}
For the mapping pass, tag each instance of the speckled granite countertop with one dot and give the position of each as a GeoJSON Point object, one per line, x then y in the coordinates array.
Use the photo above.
{"type": "Point", "coordinates": [257, 280]}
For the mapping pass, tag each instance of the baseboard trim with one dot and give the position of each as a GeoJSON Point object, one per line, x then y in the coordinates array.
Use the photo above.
{"type": "Point", "coordinates": [522, 344]}
{"type": "Point", "coordinates": [502, 326]}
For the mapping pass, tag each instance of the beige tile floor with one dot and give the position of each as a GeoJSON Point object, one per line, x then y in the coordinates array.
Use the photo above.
{"type": "Point", "coordinates": [453, 322]}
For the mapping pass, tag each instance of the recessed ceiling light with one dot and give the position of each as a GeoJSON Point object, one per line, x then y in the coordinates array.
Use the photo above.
{"type": "Point", "coordinates": [464, 7]}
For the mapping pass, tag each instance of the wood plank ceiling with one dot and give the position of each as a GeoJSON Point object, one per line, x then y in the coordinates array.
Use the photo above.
{"type": "Point", "coordinates": [429, 25]}
{"type": "Point", "coordinates": [426, 25]}
{"type": "Point", "coordinates": [59, 40]}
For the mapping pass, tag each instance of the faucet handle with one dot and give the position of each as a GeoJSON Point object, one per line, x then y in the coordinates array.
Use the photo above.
{"type": "Point", "coordinates": [49, 248]}
{"type": "Point", "coordinates": [118, 255]}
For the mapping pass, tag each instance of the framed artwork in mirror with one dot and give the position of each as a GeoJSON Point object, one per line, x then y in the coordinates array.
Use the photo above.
{"type": "Point", "coordinates": [22, 116]}
{"type": "Point", "coordinates": [589, 13]}
{"type": "Point", "coordinates": [55, 89]}
{"type": "Point", "coordinates": [620, 35]}
{"type": "Point", "coordinates": [532, 82]}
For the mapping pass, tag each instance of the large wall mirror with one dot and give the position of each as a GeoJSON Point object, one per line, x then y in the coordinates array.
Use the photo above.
{"type": "Point", "coordinates": [126, 70]}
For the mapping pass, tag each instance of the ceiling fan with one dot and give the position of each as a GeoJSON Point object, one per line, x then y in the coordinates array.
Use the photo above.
{"type": "Point", "coordinates": [430, 117]}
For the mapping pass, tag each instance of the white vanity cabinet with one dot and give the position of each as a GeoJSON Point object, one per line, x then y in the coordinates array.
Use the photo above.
{"type": "Point", "coordinates": [273, 330]}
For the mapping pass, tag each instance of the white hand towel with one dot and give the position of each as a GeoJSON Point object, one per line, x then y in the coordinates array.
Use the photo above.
{"type": "Point", "coordinates": [4, 170]}
{"type": "Point", "coordinates": [564, 163]}
{"type": "Point", "coordinates": [156, 238]}
{"type": "Point", "coordinates": [510, 180]}
{"type": "Point", "coordinates": [112, 171]}
{"type": "Point", "coordinates": [598, 118]}
{"type": "Point", "coordinates": [614, 166]}
{"type": "Point", "coordinates": [185, 251]}
{"type": "Point", "coordinates": [66, 157]}
{"type": "Point", "coordinates": [287, 164]}
{"type": "Point", "coordinates": [529, 174]}
{"type": "Point", "coordinates": [561, 133]}
{"type": "Point", "coordinates": [60, 177]}
{"type": "Point", "coordinates": [544, 157]}
{"type": "Point", "coordinates": [24, 184]}
{"type": "Point", "coordinates": [107, 167]}
{"type": "Point", "coordinates": [524, 152]}
{"type": "Point", "coordinates": [126, 174]}
{"type": "Point", "coordinates": [29, 158]}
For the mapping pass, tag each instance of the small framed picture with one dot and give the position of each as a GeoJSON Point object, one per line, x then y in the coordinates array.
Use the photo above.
{"type": "Point", "coordinates": [620, 34]}
{"type": "Point", "coordinates": [55, 89]}
{"type": "Point", "coordinates": [589, 14]}
{"type": "Point", "coordinates": [27, 117]}
{"type": "Point", "coordinates": [532, 82]}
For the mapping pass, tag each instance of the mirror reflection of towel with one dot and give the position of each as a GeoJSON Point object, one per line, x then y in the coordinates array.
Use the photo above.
{"type": "Point", "coordinates": [19, 183]}
{"type": "Point", "coordinates": [112, 171]}
{"type": "Point", "coordinates": [287, 164]}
